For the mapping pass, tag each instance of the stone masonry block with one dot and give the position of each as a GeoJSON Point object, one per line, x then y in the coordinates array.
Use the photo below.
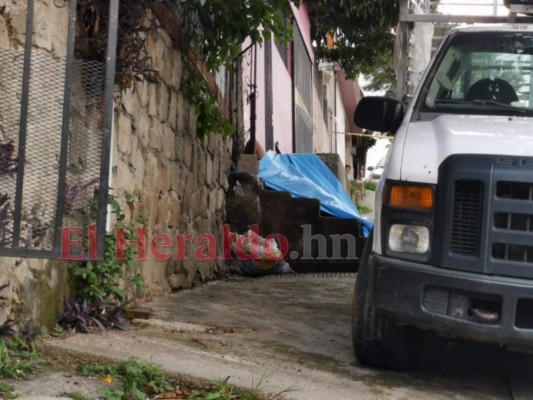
{"type": "Point", "coordinates": [129, 101]}
{"type": "Point", "coordinates": [172, 109]}
{"type": "Point", "coordinates": [124, 133]}
{"type": "Point", "coordinates": [153, 92]}
{"type": "Point", "coordinates": [209, 170]}
{"type": "Point", "coordinates": [248, 163]}
{"type": "Point", "coordinates": [163, 102]}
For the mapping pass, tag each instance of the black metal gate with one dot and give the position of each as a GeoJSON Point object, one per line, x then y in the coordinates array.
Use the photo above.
{"type": "Point", "coordinates": [55, 131]}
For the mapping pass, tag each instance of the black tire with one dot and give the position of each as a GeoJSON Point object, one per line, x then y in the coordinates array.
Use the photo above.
{"type": "Point", "coordinates": [377, 340]}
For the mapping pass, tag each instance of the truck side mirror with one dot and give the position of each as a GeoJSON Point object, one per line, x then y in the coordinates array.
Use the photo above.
{"type": "Point", "coordinates": [370, 169]}
{"type": "Point", "coordinates": [379, 114]}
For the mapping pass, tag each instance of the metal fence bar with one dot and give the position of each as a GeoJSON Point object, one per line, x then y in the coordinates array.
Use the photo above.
{"type": "Point", "coordinates": [23, 124]}
{"type": "Point", "coordinates": [28, 253]}
{"type": "Point", "coordinates": [269, 101]}
{"type": "Point", "coordinates": [103, 195]}
{"type": "Point", "coordinates": [403, 37]}
{"type": "Point", "coordinates": [243, 91]}
{"type": "Point", "coordinates": [63, 158]}
{"type": "Point", "coordinates": [59, 113]}
{"type": "Point", "coordinates": [302, 95]}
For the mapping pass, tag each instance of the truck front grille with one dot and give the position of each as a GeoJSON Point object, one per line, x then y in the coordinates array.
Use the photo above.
{"type": "Point", "coordinates": [512, 252]}
{"type": "Point", "coordinates": [513, 221]}
{"type": "Point", "coordinates": [484, 215]}
{"type": "Point", "coordinates": [466, 219]}
{"type": "Point", "coordinates": [515, 190]}
{"type": "Point", "coordinates": [515, 225]}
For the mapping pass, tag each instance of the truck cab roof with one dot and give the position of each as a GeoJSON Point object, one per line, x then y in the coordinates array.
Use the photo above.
{"type": "Point", "coordinates": [494, 28]}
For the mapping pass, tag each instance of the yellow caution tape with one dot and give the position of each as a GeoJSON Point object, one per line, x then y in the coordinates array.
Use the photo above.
{"type": "Point", "coordinates": [362, 135]}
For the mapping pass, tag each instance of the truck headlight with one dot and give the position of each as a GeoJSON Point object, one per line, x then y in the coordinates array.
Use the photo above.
{"type": "Point", "coordinates": [409, 238]}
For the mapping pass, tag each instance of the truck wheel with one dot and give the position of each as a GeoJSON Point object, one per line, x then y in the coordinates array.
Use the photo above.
{"type": "Point", "coordinates": [377, 340]}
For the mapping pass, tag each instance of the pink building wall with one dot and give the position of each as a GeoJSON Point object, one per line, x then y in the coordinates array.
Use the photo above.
{"type": "Point", "coordinates": [281, 88]}
{"type": "Point", "coordinates": [301, 15]}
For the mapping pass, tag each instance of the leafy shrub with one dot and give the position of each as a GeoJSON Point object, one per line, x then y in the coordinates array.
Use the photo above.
{"type": "Point", "coordinates": [100, 297]}
{"type": "Point", "coordinates": [371, 185]}
{"type": "Point", "coordinates": [99, 281]}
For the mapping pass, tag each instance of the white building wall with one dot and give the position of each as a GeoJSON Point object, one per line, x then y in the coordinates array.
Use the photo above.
{"type": "Point", "coordinates": [339, 125]}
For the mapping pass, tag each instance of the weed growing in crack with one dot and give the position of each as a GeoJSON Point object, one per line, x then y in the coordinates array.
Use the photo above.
{"type": "Point", "coordinates": [18, 358]}
{"type": "Point", "coordinates": [76, 396]}
{"type": "Point", "coordinates": [138, 379]}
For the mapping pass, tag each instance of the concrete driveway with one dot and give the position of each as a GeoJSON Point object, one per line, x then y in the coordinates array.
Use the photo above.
{"type": "Point", "coordinates": [291, 333]}
{"type": "Point", "coordinates": [302, 325]}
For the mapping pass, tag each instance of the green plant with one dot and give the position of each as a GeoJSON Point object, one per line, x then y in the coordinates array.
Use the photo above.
{"type": "Point", "coordinates": [80, 317]}
{"type": "Point", "coordinates": [382, 78]}
{"type": "Point", "coordinates": [115, 394]}
{"type": "Point", "coordinates": [105, 287]}
{"type": "Point", "coordinates": [220, 390]}
{"type": "Point", "coordinates": [354, 192]}
{"type": "Point", "coordinates": [133, 64]}
{"type": "Point", "coordinates": [371, 185]}
{"type": "Point", "coordinates": [19, 345]}
{"type": "Point", "coordinates": [363, 31]}
{"type": "Point", "coordinates": [7, 391]}
{"type": "Point", "coordinates": [18, 358]}
{"type": "Point", "coordinates": [363, 209]}
{"type": "Point", "coordinates": [139, 379]}
{"type": "Point", "coordinates": [100, 281]}
{"type": "Point", "coordinates": [219, 28]}
{"type": "Point", "coordinates": [57, 329]}
{"type": "Point", "coordinates": [217, 31]}
{"type": "Point", "coordinates": [209, 118]}
{"type": "Point", "coordinates": [76, 396]}
{"type": "Point", "coordinates": [92, 369]}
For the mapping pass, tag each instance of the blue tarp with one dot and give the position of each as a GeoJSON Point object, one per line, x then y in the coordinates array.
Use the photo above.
{"type": "Point", "coordinates": [306, 175]}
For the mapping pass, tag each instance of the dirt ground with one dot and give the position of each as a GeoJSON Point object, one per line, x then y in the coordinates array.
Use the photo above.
{"type": "Point", "coordinates": [290, 334]}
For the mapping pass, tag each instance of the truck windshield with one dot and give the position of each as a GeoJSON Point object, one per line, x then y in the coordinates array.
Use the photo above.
{"type": "Point", "coordinates": [488, 73]}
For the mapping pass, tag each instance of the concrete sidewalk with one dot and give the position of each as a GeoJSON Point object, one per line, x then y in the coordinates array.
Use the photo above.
{"type": "Point", "coordinates": [369, 201]}
{"type": "Point", "coordinates": [291, 333]}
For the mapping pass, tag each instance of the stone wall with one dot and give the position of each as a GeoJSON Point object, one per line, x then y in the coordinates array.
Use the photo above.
{"type": "Point", "coordinates": [177, 180]}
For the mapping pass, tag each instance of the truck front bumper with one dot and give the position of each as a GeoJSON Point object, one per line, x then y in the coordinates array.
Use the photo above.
{"type": "Point", "coordinates": [454, 303]}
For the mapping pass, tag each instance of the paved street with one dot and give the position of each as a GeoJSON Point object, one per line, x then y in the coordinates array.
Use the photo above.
{"type": "Point", "coordinates": [291, 333]}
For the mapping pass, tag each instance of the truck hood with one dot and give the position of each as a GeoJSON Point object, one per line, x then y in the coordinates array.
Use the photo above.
{"type": "Point", "coordinates": [428, 143]}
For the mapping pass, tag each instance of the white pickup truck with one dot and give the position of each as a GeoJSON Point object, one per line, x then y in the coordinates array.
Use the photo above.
{"type": "Point", "coordinates": [452, 246]}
